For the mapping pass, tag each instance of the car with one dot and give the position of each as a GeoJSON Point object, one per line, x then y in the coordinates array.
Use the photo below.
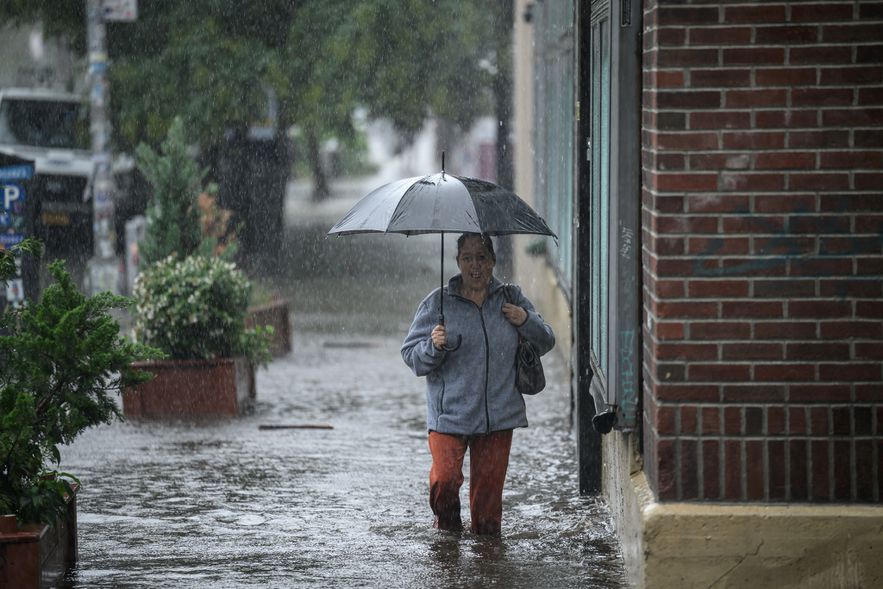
{"type": "Point", "coordinates": [51, 128]}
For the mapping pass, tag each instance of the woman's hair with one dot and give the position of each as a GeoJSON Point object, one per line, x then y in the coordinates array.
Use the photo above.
{"type": "Point", "coordinates": [485, 240]}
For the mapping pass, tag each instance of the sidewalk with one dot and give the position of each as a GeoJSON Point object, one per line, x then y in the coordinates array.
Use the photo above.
{"type": "Point", "coordinates": [226, 504]}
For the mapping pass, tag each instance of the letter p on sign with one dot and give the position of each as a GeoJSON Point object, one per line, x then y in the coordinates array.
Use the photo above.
{"type": "Point", "coordinates": [11, 193]}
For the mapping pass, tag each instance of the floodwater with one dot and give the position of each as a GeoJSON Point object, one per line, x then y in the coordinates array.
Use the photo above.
{"type": "Point", "coordinates": [223, 503]}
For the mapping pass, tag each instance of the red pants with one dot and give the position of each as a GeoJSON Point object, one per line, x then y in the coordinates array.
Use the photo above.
{"type": "Point", "coordinates": [488, 460]}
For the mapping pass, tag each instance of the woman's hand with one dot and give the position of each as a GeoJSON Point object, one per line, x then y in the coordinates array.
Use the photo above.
{"type": "Point", "coordinates": [514, 314]}
{"type": "Point", "coordinates": [439, 337]}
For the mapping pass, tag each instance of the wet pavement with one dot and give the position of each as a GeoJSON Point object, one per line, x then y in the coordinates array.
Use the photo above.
{"type": "Point", "coordinates": [224, 503]}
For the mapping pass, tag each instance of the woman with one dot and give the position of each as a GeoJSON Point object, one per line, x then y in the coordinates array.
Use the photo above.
{"type": "Point", "coordinates": [471, 397]}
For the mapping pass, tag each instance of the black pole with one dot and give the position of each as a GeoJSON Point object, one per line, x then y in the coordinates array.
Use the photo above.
{"type": "Point", "coordinates": [441, 282]}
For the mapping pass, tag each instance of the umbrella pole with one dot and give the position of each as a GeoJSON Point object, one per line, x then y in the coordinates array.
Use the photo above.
{"type": "Point", "coordinates": [441, 306]}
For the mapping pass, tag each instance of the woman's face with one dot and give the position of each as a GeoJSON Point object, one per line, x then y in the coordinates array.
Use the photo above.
{"type": "Point", "coordinates": [476, 264]}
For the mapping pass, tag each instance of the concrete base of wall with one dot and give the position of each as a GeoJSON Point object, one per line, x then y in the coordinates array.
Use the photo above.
{"type": "Point", "coordinates": [726, 545]}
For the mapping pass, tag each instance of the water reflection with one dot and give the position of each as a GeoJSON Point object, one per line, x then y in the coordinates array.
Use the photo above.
{"type": "Point", "coordinates": [228, 504]}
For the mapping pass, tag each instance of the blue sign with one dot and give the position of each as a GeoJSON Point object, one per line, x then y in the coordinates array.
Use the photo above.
{"type": "Point", "coordinates": [20, 172]}
{"type": "Point", "coordinates": [98, 67]}
{"type": "Point", "coordinates": [11, 239]}
{"type": "Point", "coordinates": [12, 196]}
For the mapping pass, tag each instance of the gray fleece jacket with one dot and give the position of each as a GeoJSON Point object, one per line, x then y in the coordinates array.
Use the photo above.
{"type": "Point", "coordinates": [472, 390]}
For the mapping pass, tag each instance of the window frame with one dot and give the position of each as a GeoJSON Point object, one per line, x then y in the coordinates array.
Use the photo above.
{"type": "Point", "coordinates": [618, 388]}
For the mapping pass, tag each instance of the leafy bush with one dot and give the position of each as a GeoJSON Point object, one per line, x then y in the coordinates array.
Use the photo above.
{"type": "Point", "coordinates": [7, 257]}
{"type": "Point", "coordinates": [173, 225]}
{"type": "Point", "coordinates": [60, 360]}
{"type": "Point", "coordinates": [195, 308]}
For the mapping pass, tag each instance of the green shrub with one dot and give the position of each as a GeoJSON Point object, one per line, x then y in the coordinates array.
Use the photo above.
{"type": "Point", "coordinates": [7, 257]}
{"type": "Point", "coordinates": [172, 213]}
{"type": "Point", "coordinates": [195, 308]}
{"type": "Point", "coordinates": [60, 360]}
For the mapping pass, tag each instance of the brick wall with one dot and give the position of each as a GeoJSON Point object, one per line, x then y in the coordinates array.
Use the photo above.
{"type": "Point", "coordinates": [762, 169]}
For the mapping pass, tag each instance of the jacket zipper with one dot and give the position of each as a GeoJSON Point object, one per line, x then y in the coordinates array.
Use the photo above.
{"type": "Point", "coordinates": [487, 356]}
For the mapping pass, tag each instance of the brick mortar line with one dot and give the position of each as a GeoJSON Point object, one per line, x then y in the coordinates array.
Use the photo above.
{"type": "Point", "coordinates": [740, 341]}
{"type": "Point", "coordinates": [777, 150]}
{"type": "Point", "coordinates": [825, 299]}
{"type": "Point", "coordinates": [653, 380]}
{"type": "Point", "coordinates": [762, 108]}
{"type": "Point", "coordinates": [817, 68]}
{"type": "Point", "coordinates": [785, 46]}
{"type": "Point", "coordinates": [742, 214]}
{"type": "Point", "coordinates": [768, 437]}
{"type": "Point", "coordinates": [752, 363]}
{"type": "Point", "coordinates": [803, 256]}
{"type": "Point", "coordinates": [807, 256]}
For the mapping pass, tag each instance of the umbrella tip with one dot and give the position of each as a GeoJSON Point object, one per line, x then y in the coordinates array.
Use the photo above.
{"type": "Point", "coordinates": [443, 162]}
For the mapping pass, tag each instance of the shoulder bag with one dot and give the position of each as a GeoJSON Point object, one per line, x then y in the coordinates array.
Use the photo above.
{"type": "Point", "coordinates": [529, 376]}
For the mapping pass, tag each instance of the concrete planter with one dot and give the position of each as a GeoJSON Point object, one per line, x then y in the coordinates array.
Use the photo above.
{"type": "Point", "coordinates": [192, 388]}
{"type": "Point", "coordinates": [276, 314]}
{"type": "Point", "coordinates": [37, 555]}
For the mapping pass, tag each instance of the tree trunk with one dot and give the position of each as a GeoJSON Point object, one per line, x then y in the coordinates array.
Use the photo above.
{"type": "Point", "coordinates": [320, 188]}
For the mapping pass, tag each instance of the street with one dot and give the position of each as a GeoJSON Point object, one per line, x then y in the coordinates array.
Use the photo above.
{"type": "Point", "coordinates": [224, 503]}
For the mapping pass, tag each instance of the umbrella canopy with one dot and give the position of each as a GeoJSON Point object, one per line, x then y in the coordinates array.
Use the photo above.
{"type": "Point", "coordinates": [441, 203]}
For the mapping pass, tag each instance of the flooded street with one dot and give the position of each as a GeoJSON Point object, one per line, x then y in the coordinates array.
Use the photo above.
{"type": "Point", "coordinates": [225, 503]}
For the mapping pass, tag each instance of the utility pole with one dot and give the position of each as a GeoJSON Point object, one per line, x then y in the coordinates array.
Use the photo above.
{"type": "Point", "coordinates": [104, 266]}
{"type": "Point", "coordinates": [502, 90]}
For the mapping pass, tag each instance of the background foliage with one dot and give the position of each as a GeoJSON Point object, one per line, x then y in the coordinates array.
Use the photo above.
{"type": "Point", "coordinates": [215, 63]}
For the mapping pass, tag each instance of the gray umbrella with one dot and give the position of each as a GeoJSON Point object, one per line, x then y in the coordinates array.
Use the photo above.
{"type": "Point", "coordinates": [441, 203]}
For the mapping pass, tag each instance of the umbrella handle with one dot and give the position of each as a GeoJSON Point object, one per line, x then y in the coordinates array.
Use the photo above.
{"type": "Point", "coordinates": [456, 345]}
{"type": "Point", "coordinates": [459, 340]}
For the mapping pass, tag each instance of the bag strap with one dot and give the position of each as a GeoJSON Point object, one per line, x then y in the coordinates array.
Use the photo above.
{"type": "Point", "coordinates": [507, 293]}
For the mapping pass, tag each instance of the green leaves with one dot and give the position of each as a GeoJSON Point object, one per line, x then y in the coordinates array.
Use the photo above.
{"type": "Point", "coordinates": [172, 215]}
{"type": "Point", "coordinates": [45, 500]}
{"type": "Point", "coordinates": [7, 256]}
{"type": "Point", "coordinates": [63, 357]}
{"type": "Point", "coordinates": [195, 309]}
{"type": "Point", "coordinates": [202, 60]}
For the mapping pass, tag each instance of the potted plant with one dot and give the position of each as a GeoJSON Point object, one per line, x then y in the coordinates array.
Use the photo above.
{"type": "Point", "coordinates": [194, 310]}
{"type": "Point", "coordinates": [173, 216]}
{"type": "Point", "coordinates": [191, 300]}
{"type": "Point", "coordinates": [61, 359]}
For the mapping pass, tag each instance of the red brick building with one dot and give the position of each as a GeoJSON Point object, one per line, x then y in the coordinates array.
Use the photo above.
{"type": "Point", "coordinates": [762, 200]}
{"type": "Point", "coordinates": [737, 147]}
